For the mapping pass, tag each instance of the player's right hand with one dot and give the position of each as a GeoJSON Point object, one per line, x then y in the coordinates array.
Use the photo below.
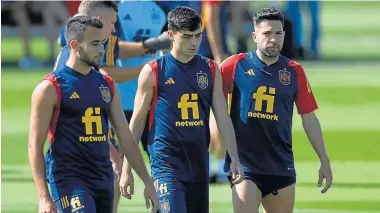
{"type": "Point", "coordinates": [126, 181]}
{"type": "Point", "coordinates": [237, 172]}
{"type": "Point", "coordinates": [47, 205]}
{"type": "Point", "coordinates": [151, 198]}
{"type": "Point", "coordinates": [325, 173]}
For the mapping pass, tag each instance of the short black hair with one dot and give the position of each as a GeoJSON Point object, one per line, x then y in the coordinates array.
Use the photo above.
{"type": "Point", "coordinates": [76, 27]}
{"type": "Point", "coordinates": [183, 18]}
{"type": "Point", "coordinates": [87, 6]}
{"type": "Point", "coordinates": [268, 13]}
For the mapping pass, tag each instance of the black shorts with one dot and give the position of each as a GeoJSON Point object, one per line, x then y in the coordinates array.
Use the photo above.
{"type": "Point", "coordinates": [144, 136]}
{"type": "Point", "coordinates": [268, 184]}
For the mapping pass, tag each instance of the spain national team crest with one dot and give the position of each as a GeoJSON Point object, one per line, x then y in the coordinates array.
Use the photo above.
{"type": "Point", "coordinates": [106, 94]}
{"type": "Point", "coordinates": [284, 77]}
{"type": "Point", "coordinates": [202, 80]}
{"type": "Point", "coordinates": [165, 206]}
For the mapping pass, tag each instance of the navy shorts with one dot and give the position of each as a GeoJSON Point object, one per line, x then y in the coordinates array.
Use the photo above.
{"type": "Point", "coordinates": [268, 184]}
{"type": "Point", "coordinates": [144, 137]}
{"type": "Point", "coordinates": [79, 200]}
{"type": "Point", "coordinates": [179, 197]}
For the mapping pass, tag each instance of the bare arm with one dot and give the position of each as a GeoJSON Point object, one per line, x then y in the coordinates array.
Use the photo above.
{"type": "Point", "coordinates": [223, 121]}
{"type": "Point", "coordinates": [44, 99]}
{"type": "Point", "coordinates": [121, 74]}
{"type": "Point", "coordinates": [126, 139]}
{"type": "Point", "coordinates": [143, 100]}
{"type": "Point", "coordinates": [131, 49]}
{"type": "Point", "coordinates": [313, 130]}
{"type": "Point", "coordinates": [314, 133]}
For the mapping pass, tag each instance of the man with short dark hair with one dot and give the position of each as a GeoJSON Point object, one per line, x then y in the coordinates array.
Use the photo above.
{"type": "Point", "coordinates": [179, 89]}
{"type": "Point", "coordinates": [261, 88]}
{"type": "Point", "coordinates": [73, 105]}
{"type": "Point", "coordinates": [114, 51]}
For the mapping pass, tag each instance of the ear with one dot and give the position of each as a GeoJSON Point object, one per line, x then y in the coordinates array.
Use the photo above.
{"type": "Point", "coordinates": [254, 36]}
{"type": "Point", "coordinates": [74, 45]}
{"type": "Point", "coordinates": [171, 35]}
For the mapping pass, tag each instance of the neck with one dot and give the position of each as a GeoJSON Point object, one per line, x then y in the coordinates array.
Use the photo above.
{"type": "Point", "coordinates": [180, 56]}
{"type": "Point", "coordinates": [267, 60]}
{"type": "Point", "coordinates": [78, 65]}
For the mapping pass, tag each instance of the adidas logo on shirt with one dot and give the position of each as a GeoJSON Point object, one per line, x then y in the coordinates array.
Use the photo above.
{"type": "Point", "coordinates": [250, 72]}
{"type": "Point", "coordinates": [170, 81]}
{"type": "Point", "coordinates": [74, 96]}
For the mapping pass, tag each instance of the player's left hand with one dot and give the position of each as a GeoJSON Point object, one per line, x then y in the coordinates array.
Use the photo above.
{"type": "Point", "coordinates": [325, 173]}
{"type": "Point", "coordinates": [125, 182]}
{"type": "Point", "coordinates": [237, 172]}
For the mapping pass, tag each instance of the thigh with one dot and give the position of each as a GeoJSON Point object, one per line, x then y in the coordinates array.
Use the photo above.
{"type": "Point", "coordinates": [171, 194]}
{"type": "Point", "coordinates": [104, 204]}
{"type": "Point", "coordinates": [197, 197]}
{"type": "Point", "coordinates": [246, 197]}
{"type": "Point", "coordinates": [76, 201]}
{"type": "Point", "coordinates": [282, 201]}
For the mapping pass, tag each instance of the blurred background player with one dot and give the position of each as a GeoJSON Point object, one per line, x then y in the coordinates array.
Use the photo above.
{"type": "Point", "coordinates": [50, 14]}
{"type": "Point", "coordinates": [179, 137]}
{"type": "Point", "coordinates": [240, 24]}
{"type": "Point", "coordinates": [262, 87]}
{"type": "Point", "coordinates": [78, 168]}
{"type": "Point", "coordinates": [294, 12]}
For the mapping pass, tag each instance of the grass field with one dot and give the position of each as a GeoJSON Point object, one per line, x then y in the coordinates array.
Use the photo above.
{"type": "Point", "coordinates": [348, 95]}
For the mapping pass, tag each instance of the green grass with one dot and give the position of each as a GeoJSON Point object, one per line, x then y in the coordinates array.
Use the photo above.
{"type": "Point", "coordinates": [348, 96]}
{"type": "Point", "coordinates": [350, 142]}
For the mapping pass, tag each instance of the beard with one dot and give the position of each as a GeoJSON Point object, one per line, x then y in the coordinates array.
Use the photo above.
{"type": "Point", "coordinates": [91, 62]}
{"type": "Point", "coordinates": [271, 53]}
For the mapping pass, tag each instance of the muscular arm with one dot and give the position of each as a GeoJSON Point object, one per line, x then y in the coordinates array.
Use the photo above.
{"type": "Point", "coordinates": [143, 100]}
{"type": "Point", "coordinates": [223, 121]}
{"type": "Point", "coordinates": [121, 74]}
{"type": "Point", "coordinates": [127, 141]}
{"type": "Point", "coordinates": [314, 133]}
{"type": "Point", "coordinates": [44, 99]}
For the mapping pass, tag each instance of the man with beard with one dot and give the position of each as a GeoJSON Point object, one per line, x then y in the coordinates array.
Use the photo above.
{"type": "Point", "coordinates": [261, 88]}
{"type": "Point", "coordinates": [73, 105]}
{"type": "Point", "coordinates": [114, 50]}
